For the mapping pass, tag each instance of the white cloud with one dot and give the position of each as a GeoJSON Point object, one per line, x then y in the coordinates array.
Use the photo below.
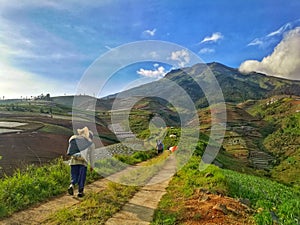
{"type": "Point", "coordinates": [284, 28]}
{"type": "Point", "coordinates": [206, 50]}
{"type": "Point", "coordinates": [36, 43]}
{"type": "Point", "coordinates": [213, 38]}
{"type": "Point", "coordinates": [26, 46]}
{"type": "Point", "coordinates": [256, 42]}
{"type": "Point", "coordinates": [276, 36]}
{"type": "Point", "coordinates": [158, 72]}
{"type": "Point", "coordinates": [16, 83]}
{"type": "Point", "coordinates": [283, 62]}
{"type": "Point", "coordinates": [150, 32]}
{"type": "Point", "coordinates": [182, 56]}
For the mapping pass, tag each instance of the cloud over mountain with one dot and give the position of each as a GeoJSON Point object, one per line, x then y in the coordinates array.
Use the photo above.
{"type": "Point", "coordinates": [182, 57]}
{"type": "Point", "coordinates": [158, 72]}
{"type": "Point", "coordinates": [284, 60]}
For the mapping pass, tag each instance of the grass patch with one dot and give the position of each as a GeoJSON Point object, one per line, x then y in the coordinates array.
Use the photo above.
{"type": "Point", "coordinates": [95, 208]}
{"type": "Point", "coordinates": [136, 157]}
{"type": "Point", "coordinates": [34, 185]}
{"type": "Point", "coordinates": [50, 128]}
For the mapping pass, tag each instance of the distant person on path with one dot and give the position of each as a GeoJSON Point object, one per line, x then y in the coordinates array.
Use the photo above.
{"type": "Point", "coordinates": [159, 147]}
{"type": "Point", "coordinates": [81, 148]}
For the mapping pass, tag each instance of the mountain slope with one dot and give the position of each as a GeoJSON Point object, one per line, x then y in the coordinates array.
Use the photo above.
{"type": "Point", "coordinates": [283, 139]}
{"type": "Point", "coordinates": [236, 86]}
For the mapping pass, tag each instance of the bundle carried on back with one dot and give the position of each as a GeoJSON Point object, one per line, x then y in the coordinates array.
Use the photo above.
{"type": "Point", "coordinates": [80, 142]}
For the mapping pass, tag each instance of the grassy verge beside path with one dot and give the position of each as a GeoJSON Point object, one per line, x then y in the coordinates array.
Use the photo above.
{"type": "Point", "coordinates": [95, 208]}
{"type": "Point", "coordinates": [34, 185]}
{"type": "Point", "coordinates": [272, 203]}
{"type": "Point", "coordinates": [38, 184]}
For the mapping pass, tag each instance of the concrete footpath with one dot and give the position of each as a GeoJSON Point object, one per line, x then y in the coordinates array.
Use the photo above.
{"type": "Point", "coordinates": [140, 209]}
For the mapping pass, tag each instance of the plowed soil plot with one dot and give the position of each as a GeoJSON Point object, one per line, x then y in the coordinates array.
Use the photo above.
{"type": "Point", "coordinates": [20, 149]}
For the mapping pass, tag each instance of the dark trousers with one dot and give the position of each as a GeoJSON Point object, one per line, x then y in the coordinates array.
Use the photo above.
{"type": "Point", "coordinates": [78, 175]}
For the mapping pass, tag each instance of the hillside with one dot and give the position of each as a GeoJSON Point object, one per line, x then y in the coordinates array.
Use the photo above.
{"type": "Point", "coordinates": [281, 139]}
{"type": "Point", "coordinates": [241, 150]}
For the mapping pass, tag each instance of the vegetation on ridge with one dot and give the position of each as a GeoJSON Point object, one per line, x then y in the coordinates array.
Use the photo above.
{"type": "Point", "coordinates": [283, 138]}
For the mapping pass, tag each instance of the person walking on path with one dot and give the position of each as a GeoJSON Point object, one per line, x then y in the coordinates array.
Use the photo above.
{"type": "Point", "coordinates": [159, 147]}
{"type": "Point", "coordinates": [81, 148]}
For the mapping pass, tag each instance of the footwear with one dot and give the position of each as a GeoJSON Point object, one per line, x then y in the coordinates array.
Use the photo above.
{"type": "Point", "coordinates": [71, 189]}
{"type": "Point", "coordinates": [80, 194]}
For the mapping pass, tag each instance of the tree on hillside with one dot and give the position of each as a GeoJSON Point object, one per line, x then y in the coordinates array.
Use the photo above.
{"type": "Point", "coordinates": [47, 97]}
{"type": "Point", "coordinates": [43, 97]}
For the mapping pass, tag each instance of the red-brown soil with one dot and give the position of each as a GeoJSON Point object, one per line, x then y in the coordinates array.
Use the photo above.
{"type": "Point", "coordinates": [20, 149]}
{"type": "Point", "coordinates": [211, 209]}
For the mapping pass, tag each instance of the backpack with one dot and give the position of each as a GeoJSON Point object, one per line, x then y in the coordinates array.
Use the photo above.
{"type": "Point", "coordinates": [160, 147]}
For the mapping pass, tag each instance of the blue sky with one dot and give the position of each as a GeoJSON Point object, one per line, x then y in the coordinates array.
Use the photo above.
{"type": "Point", "coordinates": [46, 46]}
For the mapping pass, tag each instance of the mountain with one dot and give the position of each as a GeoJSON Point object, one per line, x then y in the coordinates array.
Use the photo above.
{"type": "Point", "coordinates": [251, 85]}
{"type": "Point", "coordinates": [236, 86]}
{"type": "Point", "coordinates": [249, 139]}
{"type": "Point", "coordinates": [181, 86]}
